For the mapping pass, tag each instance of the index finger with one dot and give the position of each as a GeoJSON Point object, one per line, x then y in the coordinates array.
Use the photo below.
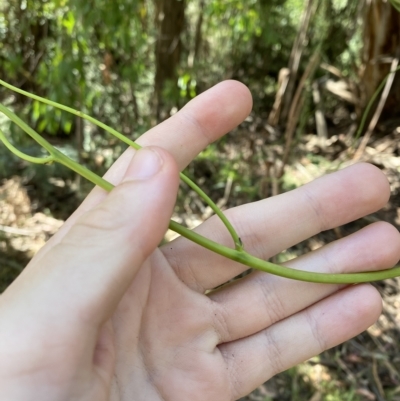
{"type": "Point", "coordinates": [202, 121]}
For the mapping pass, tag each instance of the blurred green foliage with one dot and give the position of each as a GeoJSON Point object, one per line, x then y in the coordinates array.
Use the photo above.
{"type": "Point", "coordinates": [99, 56]}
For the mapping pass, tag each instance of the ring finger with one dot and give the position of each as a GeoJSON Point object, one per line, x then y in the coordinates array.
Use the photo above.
{"type": "Point", "coordinates": [271, 298]}
{"type": "Point", "coordinates": [269, 226]}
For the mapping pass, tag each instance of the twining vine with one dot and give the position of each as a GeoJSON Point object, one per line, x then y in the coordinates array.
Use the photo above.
{"type": "Point", "coordinates": [237, 254]}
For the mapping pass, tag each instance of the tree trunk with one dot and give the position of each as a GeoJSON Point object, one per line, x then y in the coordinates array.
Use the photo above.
{"type": "Point", "coordinates": [198, 36]}
{"type": "Point", "coordinates": [381, 43]}
{"type": "Point", "coordinates": [170, 17]}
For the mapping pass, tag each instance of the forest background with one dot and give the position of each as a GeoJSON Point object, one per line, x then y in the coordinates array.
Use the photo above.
{"type": "Point", "coordinates": [312, 67]}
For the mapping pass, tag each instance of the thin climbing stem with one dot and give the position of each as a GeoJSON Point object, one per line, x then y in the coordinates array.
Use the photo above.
{"type": "Point", "coordinates": [24, 156]}
{"type": "Point", "coordinates": [237, 255]}
{"type": "Point", "coordinates": [55, 154]}
{"type": "Point", "coordinates": [123, 138]}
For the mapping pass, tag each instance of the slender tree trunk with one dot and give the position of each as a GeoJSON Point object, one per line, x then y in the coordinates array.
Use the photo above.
{"type": "Point", "coordinates": [198, 34]}
{"type": "Point", "coordinates": [170, 17]}
{"type": "Point", "coordinates": [381, 41]}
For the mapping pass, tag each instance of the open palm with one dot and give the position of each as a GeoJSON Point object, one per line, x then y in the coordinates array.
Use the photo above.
{"type": "Point", "coordinates": [101, 313]}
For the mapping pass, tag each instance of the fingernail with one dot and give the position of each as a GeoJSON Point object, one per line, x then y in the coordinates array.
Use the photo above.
{"type": "Point", "coordinates": [145, 164]}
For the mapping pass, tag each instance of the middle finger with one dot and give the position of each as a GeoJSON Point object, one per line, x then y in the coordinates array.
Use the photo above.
{"type": "Point", "coordinates": [270, 299]}
{"type": "Point", "coordinates": [269, 226]}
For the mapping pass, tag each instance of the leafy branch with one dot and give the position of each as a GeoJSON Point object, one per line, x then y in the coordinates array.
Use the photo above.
{"type": "Point", "coordinates": [238, 254]}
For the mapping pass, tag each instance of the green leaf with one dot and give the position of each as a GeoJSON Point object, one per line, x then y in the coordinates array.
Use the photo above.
{"type": "Point", "coordinates": [395, 4]}
{"type": "Point", "coordinates": [42, 125]}
{"type": "Point", "coordinates": [69, 22]}
{"type": "Point", "coordinates": [67, 125]}
{"type": "Point", "coordinates": [36, 111]}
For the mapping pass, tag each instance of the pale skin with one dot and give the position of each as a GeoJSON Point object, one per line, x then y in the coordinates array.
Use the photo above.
{"type": "Point", "coordinates": [101, 313]}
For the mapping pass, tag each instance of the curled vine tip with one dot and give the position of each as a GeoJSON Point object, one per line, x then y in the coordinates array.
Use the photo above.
{"type": "Point", "coordinates": [24, 156]}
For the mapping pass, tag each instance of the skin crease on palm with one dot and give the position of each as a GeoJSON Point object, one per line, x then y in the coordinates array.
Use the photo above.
{"type": "Point", "coordinates": [101, 313]}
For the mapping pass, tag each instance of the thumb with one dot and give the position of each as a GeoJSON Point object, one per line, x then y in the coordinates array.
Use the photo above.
{"type": "Point", "coordinates": [94, 264]}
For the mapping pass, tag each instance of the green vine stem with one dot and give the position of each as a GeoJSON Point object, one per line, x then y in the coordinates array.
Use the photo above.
{"type": "Point", "coordinates": [123, 138]}
{"type": "Point", "coordinates": [21, 155]}
{"type": "Point", "coordinates": [55, 155]}
{"type": "Point", "coordinates": [237, 255]}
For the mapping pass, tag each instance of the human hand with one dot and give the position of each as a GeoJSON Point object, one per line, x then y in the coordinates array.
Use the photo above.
{"type": "Point", "coordinates": [101, 313]}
